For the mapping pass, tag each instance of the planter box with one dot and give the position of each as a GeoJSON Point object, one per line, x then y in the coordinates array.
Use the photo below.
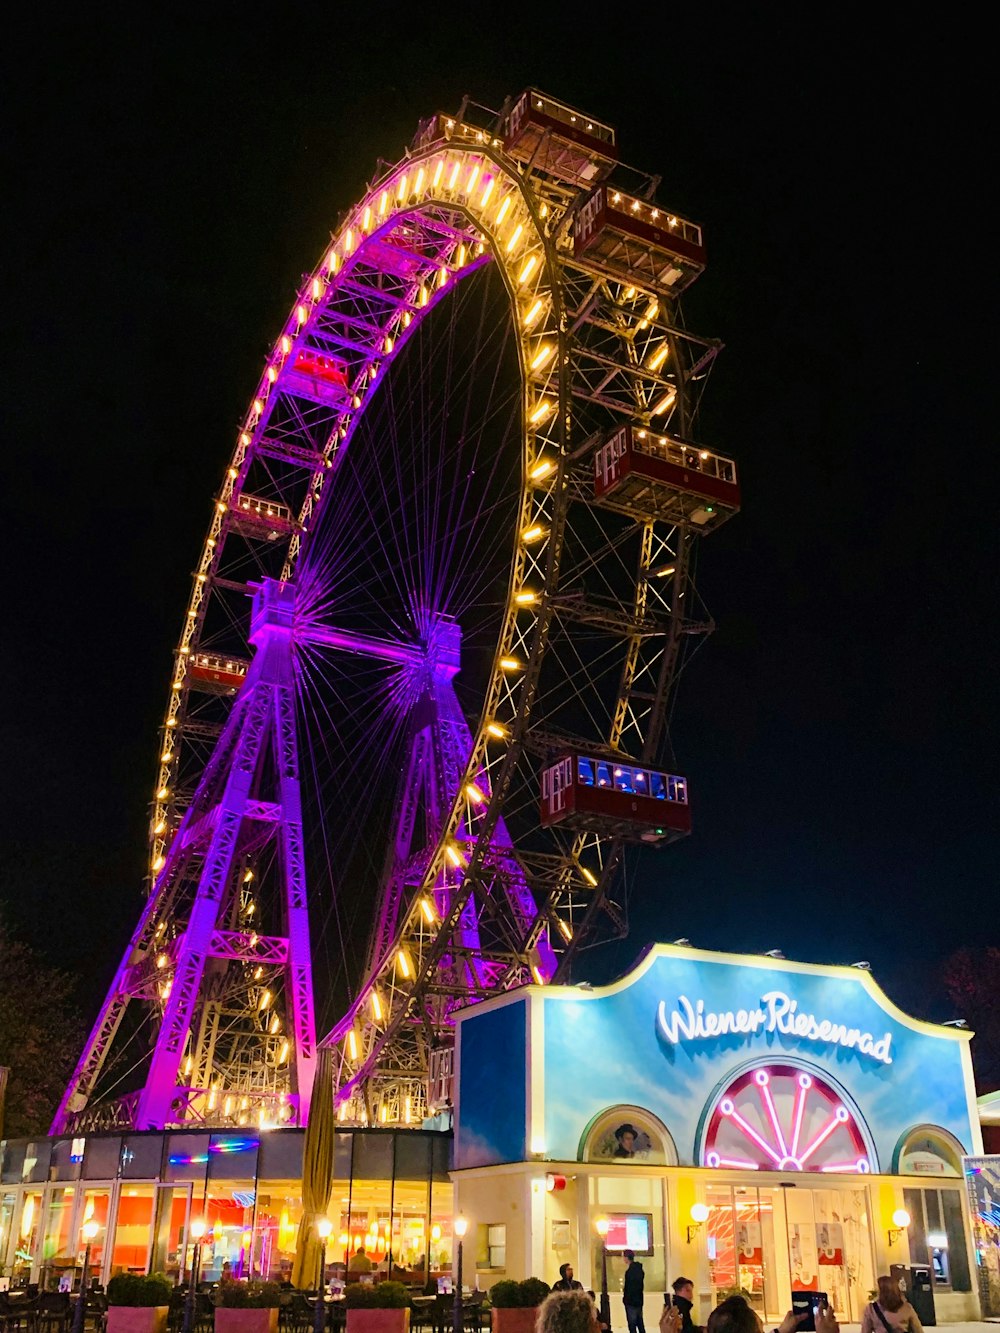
{"type": "Point", "coordinates": [244, 1321]}
{"type": "Point", "coordinates": [137, 1319]}
{"type": "Point", "coordinates": [378, 1321]}
{"type": "Point", "coordinates": [517, 1319]}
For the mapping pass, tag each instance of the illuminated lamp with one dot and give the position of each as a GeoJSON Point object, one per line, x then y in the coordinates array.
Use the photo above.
{"type": "Point", "coordinates": [900, 1221]}
{"type": "Point", "coordinates": [699, 1216]}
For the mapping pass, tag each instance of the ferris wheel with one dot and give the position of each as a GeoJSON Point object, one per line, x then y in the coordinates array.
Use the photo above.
{"type": "Point", "coordinates": [423, 677]}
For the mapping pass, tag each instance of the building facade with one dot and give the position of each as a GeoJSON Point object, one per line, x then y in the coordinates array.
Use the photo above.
{"type": "Point", "coordinates": [391, 1192]}
{"type": "Point", "coordinates": [754, 1124]}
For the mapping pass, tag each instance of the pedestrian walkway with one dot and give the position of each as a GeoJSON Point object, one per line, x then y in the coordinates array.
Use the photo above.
{"type": "Point", "coordinates": [988, 1326]}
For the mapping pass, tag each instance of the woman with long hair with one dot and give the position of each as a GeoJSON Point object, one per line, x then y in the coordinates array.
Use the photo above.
{"type": "Point", "coordinates": [891, 1312]}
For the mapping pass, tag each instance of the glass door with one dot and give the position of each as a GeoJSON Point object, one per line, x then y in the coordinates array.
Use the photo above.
{"type": "Point", "coordinates": [741, 1245]}
{"type": "Point", "coordinates": [172, 1209]}
{"type": "Point", "coordinates": [829, 1246]}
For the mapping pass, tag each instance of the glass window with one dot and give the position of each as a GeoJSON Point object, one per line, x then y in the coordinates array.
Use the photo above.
{"type": "Point", "coordinates": [280, 1155]}
{"type": "Point", "coordinates": [187, 1157]}
{"type": "Point", "coordinates": [25, 1239]}
{"type": "Point", "coordinates": [229, 1214]}
{"type": "Point", "coordinates": [133, 1229]}
{"type": "Point", "coordinates": [169, 1231]}
{"type": "Point", "coordinates": [343, 1149]}
{"type": "Point", "coordinates": [13, 1163]}
{"type": "Point", "coordinates": [496, 1246]}
{"type": "Point", "coordinates": [232, 1156]}
{"type": "Point", "coordinates": [441, 1157]}
{"type": "Point", "coordinates": [373, 1156]}
{"type": "Point", "coordinates": [7, 1202]}
{"type": "Point", "coordinates": [279, 1211]}
{"type": "Point", "coordinates": [65, 1159]}
{"type": "Point", "coordinates": [101, 1158]}
{"type": "Point", "coordinates": [954, 1228]}
{"type": "Point", "coordinates": [413, 1157]}
{"type": "Point", "coordinates": [585, 771]}
{"type": "Point", "coordinates": [142, 1157]}
{"type": "Point", "coordinates": [440, 1237]}
{"type": "Point", "coordinates": [58, 1249]}
{"type": "Point", "coordinates": [937, 1236]}
{"type": "Point", "coordinates": [35, 1168]}
{"type": "Point", "coordinates": [96, 1208]}
{"type": "Point", "coordinates": [603, 775]}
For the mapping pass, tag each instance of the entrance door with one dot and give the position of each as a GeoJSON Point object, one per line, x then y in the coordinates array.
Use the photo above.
{"type": "Point", "coordinates": [170, 1229]}
{"type": "Point", "coordinates": [741, 1245]}
{"type": "Point", "coordinates": [769, 1242]}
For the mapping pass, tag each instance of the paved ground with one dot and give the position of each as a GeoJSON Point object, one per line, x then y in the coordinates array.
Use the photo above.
{"type": "Point", "coordinates": [990, 1327]}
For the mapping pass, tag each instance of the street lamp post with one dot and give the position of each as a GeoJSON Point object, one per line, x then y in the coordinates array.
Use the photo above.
{"type": "Point", "coordinates": [323, 1228]}
{"type": "Point", "coordinates": [197, 1230]}
{"type": "Point", "coordinates": [605, 1313]}
{"type": "Point", "coordinates": [88, 1231]}
{"type": "Point", "coordinates": [461, 1226]}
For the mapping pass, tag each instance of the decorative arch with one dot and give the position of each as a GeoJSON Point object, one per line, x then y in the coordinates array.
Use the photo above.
{"type": "Point", "coordinates": [627, 1134]}
{"type": "Point", "coordinates": [784, 1116]}
{"type": "Point", "coordinates": [927, 1150]}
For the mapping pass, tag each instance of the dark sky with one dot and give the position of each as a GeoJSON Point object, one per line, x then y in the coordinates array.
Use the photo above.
{"type": "Point", "coordinates": [168, 182]}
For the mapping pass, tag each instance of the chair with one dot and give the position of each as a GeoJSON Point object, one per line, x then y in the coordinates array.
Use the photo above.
{"type": "Point", "coordinates": [18, 1312]}
{"type": "Point", "coordinates": [55, 1312]}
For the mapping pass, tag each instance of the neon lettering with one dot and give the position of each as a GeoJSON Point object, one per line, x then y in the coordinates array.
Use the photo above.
{"type": "Point", "coordinates": [777, 1012]}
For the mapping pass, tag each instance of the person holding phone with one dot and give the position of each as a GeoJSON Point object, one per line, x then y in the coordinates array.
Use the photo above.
{"type": "Point", "coordinates": [683, 1300]}
{"type": "Point", "coordinates": [734, 1315]}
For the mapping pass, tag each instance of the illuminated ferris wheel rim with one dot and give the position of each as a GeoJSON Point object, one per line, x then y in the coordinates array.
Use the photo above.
{"type": "Point", "coordinates": [473, 182]}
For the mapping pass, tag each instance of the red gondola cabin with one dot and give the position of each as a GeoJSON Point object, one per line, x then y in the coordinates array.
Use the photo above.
{"type": "Point", "coordinates": [637, 241]}
{"type": "Point", "coordinates": [557, 139]}
{"type": "Point", "coordinates": [615, 798]}
{"type": "Point", "coordinates": [644, 474]}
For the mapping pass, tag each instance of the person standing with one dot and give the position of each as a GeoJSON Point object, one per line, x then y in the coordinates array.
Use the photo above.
{"type": "Point", "coordinates": [891, 1313]}
{"type": "Point", "coordinates": [684, 1302]}
{"type": "Point", "coordinates": [633, 1292]}
{"type": "Point", "coordinates": [566, 1280]}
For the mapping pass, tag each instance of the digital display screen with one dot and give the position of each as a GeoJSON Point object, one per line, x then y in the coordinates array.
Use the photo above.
{"type": "Point", "coordinates": [630, 1231]}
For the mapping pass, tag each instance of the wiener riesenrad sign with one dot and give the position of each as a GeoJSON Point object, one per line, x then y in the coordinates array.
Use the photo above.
{"type": "Point", "coordinates": [775, 1012]}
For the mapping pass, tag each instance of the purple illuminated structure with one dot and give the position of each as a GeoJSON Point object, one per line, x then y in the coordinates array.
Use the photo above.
{"type": "Point", "coordinates": [589, 612]}
{"type": "Point", "coordinates": [231, 998]}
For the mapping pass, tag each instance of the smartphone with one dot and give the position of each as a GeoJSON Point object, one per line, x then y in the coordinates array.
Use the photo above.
{"type": "Point", "coordinates": [807, 1303]}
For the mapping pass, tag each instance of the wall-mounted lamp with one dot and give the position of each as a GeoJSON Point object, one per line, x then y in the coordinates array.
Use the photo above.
{"type": "Point", "coordinates": [900, 1221]}
{"type": "Point", "coordinates": [699, 1216]}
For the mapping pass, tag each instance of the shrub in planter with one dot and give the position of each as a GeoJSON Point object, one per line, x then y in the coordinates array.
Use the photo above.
{"type": "Point", "coordinates": [533, 1291]}
{"type": "Point", "coordinates": [246, 1307]}
{"type": "Point", "coordinates": [138, 1304]}
{"type": "Point", "coordinates": [515, 1304]}
{"type": "Point", "coordinates": [506, 1294]}
{"type": "Point", "coordinates": [383, 1308]}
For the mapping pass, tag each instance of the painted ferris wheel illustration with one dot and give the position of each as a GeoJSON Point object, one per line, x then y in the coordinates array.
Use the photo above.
{"type": "Point", "coordinates": [424, 673]}
{"type": "Point", "coordinates": [784, 1118]}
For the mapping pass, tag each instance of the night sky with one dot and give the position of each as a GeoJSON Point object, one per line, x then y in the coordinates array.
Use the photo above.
{"type": "Point", "coordinates": [168, 182]}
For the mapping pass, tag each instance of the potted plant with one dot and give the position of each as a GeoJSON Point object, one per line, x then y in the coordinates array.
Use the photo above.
{"type": "Point", "coordinates": [514, 1305]}
{"type": "Point", "coordinates": [138, 1304]}
{"type": "Point", "coordinates": [384, 1308]}
{"type": "Point", "coordinates": [246, 1307]}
